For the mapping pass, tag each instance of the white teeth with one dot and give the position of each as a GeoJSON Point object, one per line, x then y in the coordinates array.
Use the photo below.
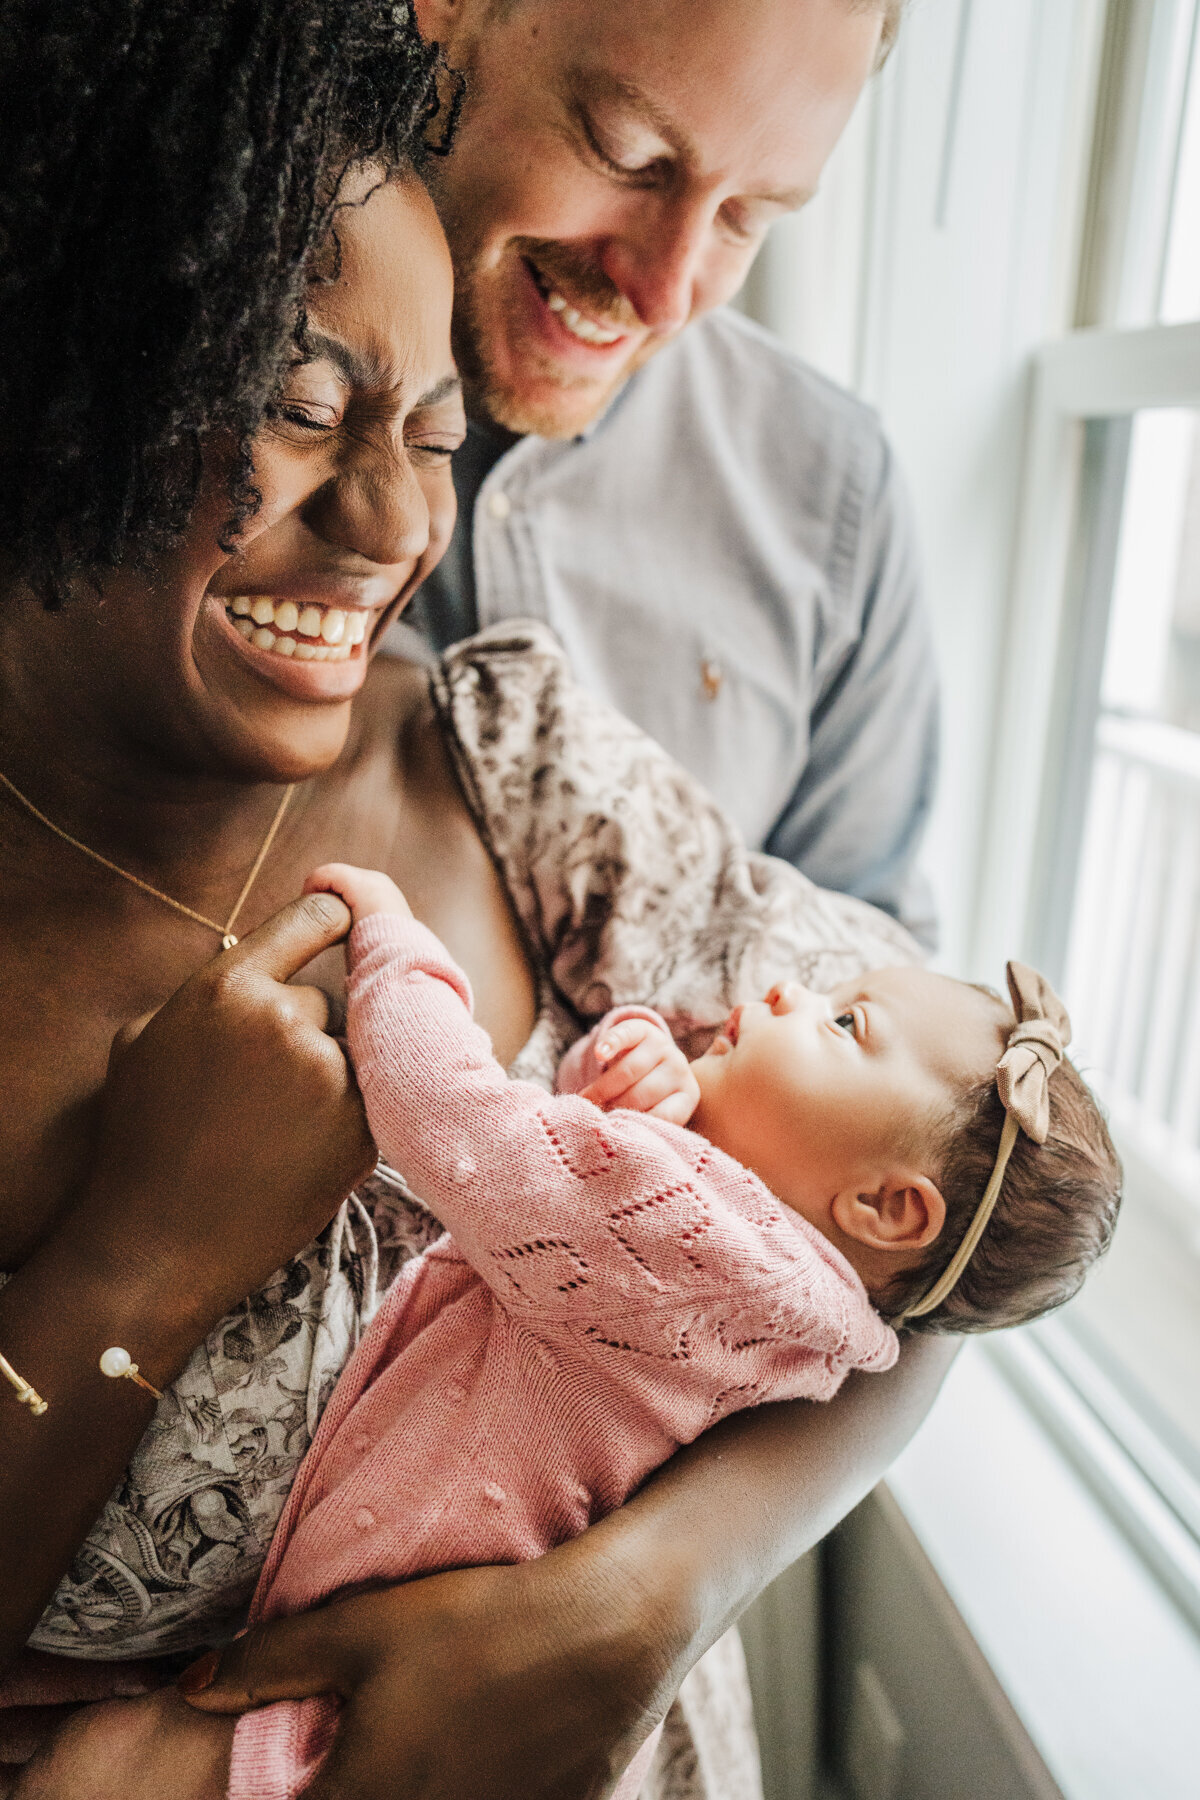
{"type": "Point", "coordinates": [578, 325]}
{"type": "Point", "coordinates": [331, 632]}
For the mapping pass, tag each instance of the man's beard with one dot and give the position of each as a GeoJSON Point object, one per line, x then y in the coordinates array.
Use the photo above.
{"type": "Point", "coordinates": [503, 398]}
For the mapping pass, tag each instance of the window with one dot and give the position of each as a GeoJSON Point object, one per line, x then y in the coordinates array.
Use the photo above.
{"type": "Point", "coordinates": [1095, 858]}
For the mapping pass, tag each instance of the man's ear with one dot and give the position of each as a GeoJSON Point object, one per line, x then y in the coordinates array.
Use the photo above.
{"type": "Point", "coordinates": [907, 1212]}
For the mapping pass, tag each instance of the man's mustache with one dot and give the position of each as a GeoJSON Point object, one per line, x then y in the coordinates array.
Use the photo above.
{"type": "Point", "coordinates": [584, 286]}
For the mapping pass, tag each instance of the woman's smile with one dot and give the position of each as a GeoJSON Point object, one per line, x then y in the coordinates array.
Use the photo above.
{"type": "Point", "coordinates": [311, 649]}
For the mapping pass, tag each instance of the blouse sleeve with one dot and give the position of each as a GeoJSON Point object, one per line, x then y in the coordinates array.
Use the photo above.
{"type": "Point", "coordinates": [630, 882]}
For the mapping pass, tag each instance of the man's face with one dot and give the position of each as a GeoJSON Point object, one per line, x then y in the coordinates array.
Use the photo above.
{"type": "Point", "coordinates": [616, 168]}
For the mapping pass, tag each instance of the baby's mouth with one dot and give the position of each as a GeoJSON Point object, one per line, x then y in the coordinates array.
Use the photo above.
{"type": "Point", "coordinates": [309, 633]}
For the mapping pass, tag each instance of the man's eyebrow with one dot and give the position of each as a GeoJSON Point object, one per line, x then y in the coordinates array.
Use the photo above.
{"type": "Point", "coordinates": [441, 390]}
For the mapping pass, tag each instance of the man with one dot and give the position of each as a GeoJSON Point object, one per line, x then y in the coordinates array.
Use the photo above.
{"type": "Point", "coordinates": [714, 532]}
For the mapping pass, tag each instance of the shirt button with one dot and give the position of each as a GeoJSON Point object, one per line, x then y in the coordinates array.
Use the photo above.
{"type": "Point", "coordinates": [494, 1494]}
{"type": "Point", "coordinates": [456, 1392]}
{"type": "Point", "coordinates": [464, 1169]}
{"type": "Point", "coordinates": [499, 505]}
{"type": "Point", "coordinates": [362, 1442]}
{"type": "Point", "coordinates": [364, 1519]}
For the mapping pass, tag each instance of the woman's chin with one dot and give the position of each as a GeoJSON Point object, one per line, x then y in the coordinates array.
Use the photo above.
{"type": "Point", "coordinates": [269, 717]}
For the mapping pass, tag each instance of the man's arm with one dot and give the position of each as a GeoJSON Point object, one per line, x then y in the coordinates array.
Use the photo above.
{"type": "Point", "coordinates": [855, 818]}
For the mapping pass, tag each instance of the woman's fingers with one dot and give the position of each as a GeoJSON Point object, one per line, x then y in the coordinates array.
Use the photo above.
{"type": "Point", "coordinates": [285, 943]}
{"type": "Point", "coordinates": [288, 1659]}
{"type": "Point", "coordinates": [308, 1003]}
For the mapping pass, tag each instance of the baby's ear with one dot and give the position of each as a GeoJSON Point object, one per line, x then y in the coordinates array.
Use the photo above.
{"type": "Point", "coordinates": [906, 1212]}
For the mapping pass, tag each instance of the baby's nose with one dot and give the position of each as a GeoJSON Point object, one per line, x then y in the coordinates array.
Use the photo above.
{"type": "Point", "coordinates": [786, 996]}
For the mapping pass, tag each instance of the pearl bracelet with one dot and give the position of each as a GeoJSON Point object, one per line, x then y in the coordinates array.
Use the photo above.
{"type": "Point", "coordinates": [120, 1366]}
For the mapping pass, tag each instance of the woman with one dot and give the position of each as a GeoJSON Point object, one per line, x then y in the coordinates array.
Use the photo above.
{"type": "Point", "coordinates": [228, 411]}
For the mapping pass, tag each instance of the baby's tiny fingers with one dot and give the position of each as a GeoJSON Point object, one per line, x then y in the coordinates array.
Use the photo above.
{"type": "Point", "coordinates": [678, 1107]}
{"type": "Point", "coordinates": [624, 1036]}
{"type": "Point", "coordinates": [651, 1090]}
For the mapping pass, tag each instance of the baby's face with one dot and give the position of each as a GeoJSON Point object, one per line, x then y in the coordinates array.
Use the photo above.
{"type": "Point", "coordinates": [820, 1094]}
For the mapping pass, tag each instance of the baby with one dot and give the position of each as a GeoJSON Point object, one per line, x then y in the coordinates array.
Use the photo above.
{"type": "Point", "coordinates": [625, 1265]}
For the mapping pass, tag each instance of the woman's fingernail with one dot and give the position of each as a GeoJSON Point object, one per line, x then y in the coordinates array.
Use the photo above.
{"type": "Point", "coordinates": [604, 1051]}
{"type": "Point", "coordinates": [201, 1674]}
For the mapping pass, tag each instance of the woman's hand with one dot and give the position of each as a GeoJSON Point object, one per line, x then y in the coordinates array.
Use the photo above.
{"type": "Point", "coordinates": [232, 1128]}
{"type": "Point", "coordinates": [531, 1682]}
{"type": "Point", "coordinates": [231, 1131]}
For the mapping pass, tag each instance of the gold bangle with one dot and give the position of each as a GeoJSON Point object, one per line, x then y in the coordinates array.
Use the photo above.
{"type": "Point", "coordinates": [28, 1396]}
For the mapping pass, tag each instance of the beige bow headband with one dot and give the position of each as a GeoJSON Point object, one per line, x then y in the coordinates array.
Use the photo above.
{"type": "Point", "coordinates": [1035, 1049]}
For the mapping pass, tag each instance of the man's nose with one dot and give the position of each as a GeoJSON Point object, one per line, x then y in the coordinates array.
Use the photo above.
{"type": "Point", "coordinates": [374, 506]}
{"type": "Point", "coordinates": [659, 263]}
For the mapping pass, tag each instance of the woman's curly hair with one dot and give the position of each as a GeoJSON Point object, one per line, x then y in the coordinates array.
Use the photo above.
{"type": "Point", "coordinates": [167, 168]}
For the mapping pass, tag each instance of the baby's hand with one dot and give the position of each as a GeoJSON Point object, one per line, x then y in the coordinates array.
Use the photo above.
{"type": "Point", "coordinates": [644, 1071]}
{"type": "Point", "coordinates": [365, 891]}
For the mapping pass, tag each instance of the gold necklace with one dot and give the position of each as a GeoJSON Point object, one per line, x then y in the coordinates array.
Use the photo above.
{"type": "Point", "coordinates": [224, 932]}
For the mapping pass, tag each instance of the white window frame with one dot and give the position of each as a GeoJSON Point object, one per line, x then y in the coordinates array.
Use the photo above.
{"type": "Point", "coordinates": [1090, 375]}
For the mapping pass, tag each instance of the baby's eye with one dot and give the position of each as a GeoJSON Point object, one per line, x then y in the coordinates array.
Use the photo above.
{"type": "Point", "coordinates": [847, 1021]}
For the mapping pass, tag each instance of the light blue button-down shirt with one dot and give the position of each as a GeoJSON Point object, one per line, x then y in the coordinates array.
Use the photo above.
{"type": "Point", "coordinates": [727, 557]}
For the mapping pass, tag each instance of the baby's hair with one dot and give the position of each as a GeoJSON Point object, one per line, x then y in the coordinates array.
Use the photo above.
{"type": "Point", "coordinates": [1053, 1219]}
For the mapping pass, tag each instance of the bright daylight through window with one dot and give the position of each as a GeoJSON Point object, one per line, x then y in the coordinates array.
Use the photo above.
{"type": "Point", "coordinates": [1122, 908]}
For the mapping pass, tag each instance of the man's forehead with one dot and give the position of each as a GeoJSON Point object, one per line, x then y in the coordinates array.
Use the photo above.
{"type": "Point", "coordinates": [760, 81]}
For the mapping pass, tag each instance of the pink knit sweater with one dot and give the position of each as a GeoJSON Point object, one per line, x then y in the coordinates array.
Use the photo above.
{"type": "Point", "coordinates": [609, 1286]}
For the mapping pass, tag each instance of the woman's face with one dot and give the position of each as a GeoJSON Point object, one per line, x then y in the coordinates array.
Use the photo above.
{"type": "Point", "coordinates": [244, 665]}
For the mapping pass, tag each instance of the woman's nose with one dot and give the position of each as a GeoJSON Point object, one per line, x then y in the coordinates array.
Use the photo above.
{"type": "Point", "coordinates": [375, 507]}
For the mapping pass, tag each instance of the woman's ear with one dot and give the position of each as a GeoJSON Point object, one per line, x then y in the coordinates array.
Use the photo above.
{"type": "Point", "coordinates": [906, 1213]}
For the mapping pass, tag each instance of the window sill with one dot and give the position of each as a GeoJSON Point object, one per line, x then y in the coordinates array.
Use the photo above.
{"type": "Point", "coordinates": [1099, 1665]}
